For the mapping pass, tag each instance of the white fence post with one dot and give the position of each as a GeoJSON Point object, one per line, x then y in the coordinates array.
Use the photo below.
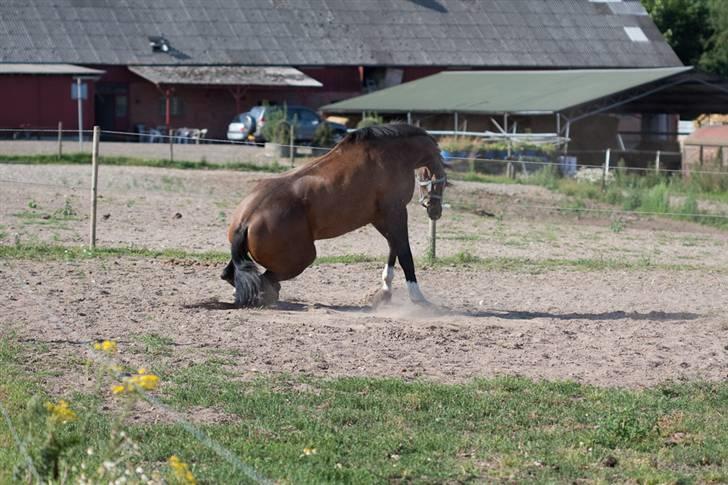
{"type": "Point", "coordinates": [94, 185]}
{"type": "Point", "coordinates": [606, 167]}
{"type": "Point", "coordinates": [657, 163]}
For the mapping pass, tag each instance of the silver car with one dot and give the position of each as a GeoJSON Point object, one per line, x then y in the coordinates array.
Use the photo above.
{"type": "Point", "coordinates": [249, 125]}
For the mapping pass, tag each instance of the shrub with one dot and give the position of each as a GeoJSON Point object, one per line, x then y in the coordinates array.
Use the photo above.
{"type": "Point", "coordinates": [657, 199]}
{"type": "Point", "coordinates": [369, 119]}
{"type": "Point", "coordinates": [323, 136]}
{"type": "Point", "coordinates": [547, 177]}
{"type": "Point", "coordinates": [277, 128]}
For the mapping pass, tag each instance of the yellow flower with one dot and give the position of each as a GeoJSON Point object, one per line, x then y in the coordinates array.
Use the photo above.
{"type": "Point", "coordinates": [61, 412]}
{"type": "Point", "coordinates": [108, 346]}
{"type": "Point", "coordinates": [148, 382]}
{"type": "Point", "coordinates": [181, 471]}
{"type": "Point", "coordinates": [309, 451]}
{"type": "Point", "coordinates": [139, 381]}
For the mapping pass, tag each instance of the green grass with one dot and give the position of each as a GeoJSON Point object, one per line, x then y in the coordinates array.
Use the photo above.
{"type": "Point", "coordinates": [367, 430]}
{"type": "Point", "coordinates": [529, 265]}
{"type": "Point", "coordinates": [154, 344]}
{"type": "Point", "coordinates": [51, 252]}
{"type": "Point", "coordinates": [648, 193]}
{"type": "Point", "coordinates": [85, 159]}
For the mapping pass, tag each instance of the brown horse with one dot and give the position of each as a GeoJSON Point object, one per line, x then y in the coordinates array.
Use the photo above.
{"type": "Point", "coordinates": [366, 179]}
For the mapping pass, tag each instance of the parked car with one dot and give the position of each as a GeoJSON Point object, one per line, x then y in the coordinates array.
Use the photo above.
{"type": "Point", "coordinates": [249, 125]}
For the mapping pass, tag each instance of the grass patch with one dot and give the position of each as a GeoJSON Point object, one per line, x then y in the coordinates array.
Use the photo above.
{"type": "Point", "coordinates": [349, 259]}
{"type": "Point", "coordinates": [528, 265]}
{"type": "Point", "coordinates": [85, 158]}
{"type": "Point", "coordinates": [50, 252]}
{"type": "Point", "coordinates": [154, 344]}
{"type": "Point", "coordinates": [366, 430]}
{"type": "Point", "coordinates": [480, 177]}
{"type": "Point", "coordinates": [648, 193]}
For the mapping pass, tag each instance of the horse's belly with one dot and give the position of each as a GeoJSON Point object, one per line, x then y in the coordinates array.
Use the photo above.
{"type": "Point", "coordinates": [337, 227]}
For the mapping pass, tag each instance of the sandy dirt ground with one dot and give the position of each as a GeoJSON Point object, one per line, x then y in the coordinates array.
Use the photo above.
{"type": "Point", "coordinates": [663, 320]}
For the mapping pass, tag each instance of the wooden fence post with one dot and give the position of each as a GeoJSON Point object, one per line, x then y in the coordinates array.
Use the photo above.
{"type": "Point", "coordinates": [94, 185]}
{"type": "Point", "coordinates": [171, 145]}
{"type": "Point", "coordinates": [60, 140]}
{"type": "Point", "coordinates": [433, 240]}
{"type": "Point", "coordinates": [291, 147]}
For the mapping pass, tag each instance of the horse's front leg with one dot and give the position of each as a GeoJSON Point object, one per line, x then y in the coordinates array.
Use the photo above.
{"type": "Point", "coordinates": [394, 228]}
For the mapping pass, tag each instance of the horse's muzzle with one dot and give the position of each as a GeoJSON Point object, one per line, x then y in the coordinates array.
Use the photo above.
{"type": "Point", "coordinates": [434, 211]}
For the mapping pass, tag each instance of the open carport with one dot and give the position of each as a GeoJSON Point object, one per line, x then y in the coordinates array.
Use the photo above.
{"type": "Point", "coordinates": [570, 103]}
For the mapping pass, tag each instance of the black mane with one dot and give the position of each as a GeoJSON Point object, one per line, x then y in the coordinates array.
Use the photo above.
{"type": "Point", "coordinates": [377, 132]}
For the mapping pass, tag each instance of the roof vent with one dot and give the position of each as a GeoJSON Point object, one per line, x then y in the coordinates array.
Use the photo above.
{"type": "Point", "coordinates": [636, 34]}
{"type": "Point", "coordinates": [159, 44]}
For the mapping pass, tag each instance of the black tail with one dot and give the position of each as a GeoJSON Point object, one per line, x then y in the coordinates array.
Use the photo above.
{"type": "Point", "coordinates": [247, 277]}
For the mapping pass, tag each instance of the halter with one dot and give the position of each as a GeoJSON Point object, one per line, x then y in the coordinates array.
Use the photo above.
{"type": "Point", "coordinates": [430, 184]}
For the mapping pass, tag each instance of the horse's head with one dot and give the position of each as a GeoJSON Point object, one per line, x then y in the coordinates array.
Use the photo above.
{"type": "Point", "coordinates": [431, 190]}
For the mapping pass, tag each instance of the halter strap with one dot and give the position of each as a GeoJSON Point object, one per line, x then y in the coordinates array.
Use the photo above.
{"type": "Point", "coordinates": [424, 183]}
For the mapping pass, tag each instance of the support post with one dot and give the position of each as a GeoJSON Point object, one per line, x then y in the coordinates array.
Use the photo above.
{"type": "Point", "coordinates": [79, 105]}
{"type": "Point", "coordinates": [94, 185]}
{"type": "Point", "coordinates": [607, 158]}
{"type": "Point", "coordinates": [291, 146]}
{"type": "Point", "coordinates": [60, 140]}
{"type": "Point", "coordinates": [657, 163]}
{"type": "Point", "coordinates": [456, 122]}
{"type": "Point", "coordinates": [409, 117]}
{"type": "Point", "coordinates": [433, 240]}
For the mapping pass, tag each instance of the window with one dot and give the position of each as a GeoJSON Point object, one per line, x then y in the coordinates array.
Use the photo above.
{"type": "Point", "coordinates": [121, 103]}
{"type": "Point", "coordinates": [636, 34]}
{"type": "Point", "coordinates": [175, 106]}
{"type": "Point", "coordinates": [307, 117]}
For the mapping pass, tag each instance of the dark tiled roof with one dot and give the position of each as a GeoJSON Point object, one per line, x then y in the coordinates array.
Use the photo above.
{"type": "Point", "coordinates": [478, 33]}
{"type": "Point", "coordinates": [225, 75]}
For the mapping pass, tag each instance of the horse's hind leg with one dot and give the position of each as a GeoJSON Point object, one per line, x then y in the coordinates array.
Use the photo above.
{"type": "Point", "coordinates": [283, 258]}
{"type": "Point", "coordinates": [271, 288]}
{"type": "Point", "coordinates": [228, 274]}
{"type": "Point", "coordinates": [384, 295]}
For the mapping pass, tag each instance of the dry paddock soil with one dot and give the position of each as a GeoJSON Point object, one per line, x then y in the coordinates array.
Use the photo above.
{"type": "Point", "coordinates": [662, 318]}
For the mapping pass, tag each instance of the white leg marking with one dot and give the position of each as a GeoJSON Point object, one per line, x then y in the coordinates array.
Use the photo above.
{"type": "Point", "coordinates": [387, 277]}
{"type": "Point", "coordinates": [415, 293]}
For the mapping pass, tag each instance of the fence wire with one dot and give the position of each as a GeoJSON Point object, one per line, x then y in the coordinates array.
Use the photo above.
{"type": "Point", "coordinates": [186, 140]}
{"type": "Point", "coordinates": [501, 162]}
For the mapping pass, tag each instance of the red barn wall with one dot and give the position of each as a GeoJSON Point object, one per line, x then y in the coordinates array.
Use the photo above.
{"type": "Point", "coordinates": [41, 102]}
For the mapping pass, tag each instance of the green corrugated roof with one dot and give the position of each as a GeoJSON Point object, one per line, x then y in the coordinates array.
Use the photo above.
{"type": "Point", "coordinates": [512, 92]}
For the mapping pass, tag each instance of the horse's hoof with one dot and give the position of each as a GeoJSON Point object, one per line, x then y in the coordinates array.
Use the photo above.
{"type": "Point", "coordinates": [381, 297]}
{"type": "Point", "coordinates": [268, 299]}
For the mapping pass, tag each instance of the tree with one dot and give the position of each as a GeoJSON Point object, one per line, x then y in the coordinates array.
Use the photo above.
{"type": "Point", "coordinates": [715, 56]}
{"type": "Point", "coordinates": [686, 25]}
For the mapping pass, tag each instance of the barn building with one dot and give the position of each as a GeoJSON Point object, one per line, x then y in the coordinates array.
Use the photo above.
{"type": "Point", "coordinates": [186, 63]}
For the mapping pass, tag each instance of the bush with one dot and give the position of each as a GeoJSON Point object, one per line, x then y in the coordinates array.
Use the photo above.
{"type": "Point", "coordinates": [546, 177]}
{"type": "Point", "coordinates": [277, 128]}
{"type": "Point", "coordinates": [323, 137]}
{"type": "Point", "coordinates": [657, 199]}
{"type": "Point", "coordinates": [369, 119]}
